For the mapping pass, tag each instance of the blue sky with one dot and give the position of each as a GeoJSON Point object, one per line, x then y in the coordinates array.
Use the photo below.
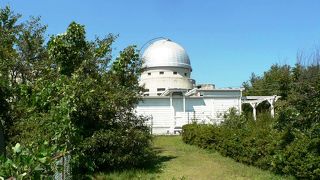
{"type": "Point", "coordinates": [226, 40]}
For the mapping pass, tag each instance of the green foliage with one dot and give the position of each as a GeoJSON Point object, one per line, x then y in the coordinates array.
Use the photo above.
{"type": "Point", "coordinates": [249, 142]}
{"type": "Point", "coordinates": [300, 157]}
{"type": "Point", "coordinates": [70, 96]}
{"type": "Point", "coordinates": [178, 160]}
{"type": "Point", "coordinates": [24, 163]}
{"type": "Point", "coordinates": [259, 143]}
{"type": "Point", "coordinates": [109, 150]}
{"type": "Point", "coordinates": [204, 136]}
{"type": "Point", "coordinates": [69, 50]}
{"type": "Point", "coordinates": [8, 32]}
{"type": "Point", "coordinates": [22, 54]}
{"type": "Point", "coordinates": [276, 81]}
{"type": "Point", "coordinates": [286, 144]}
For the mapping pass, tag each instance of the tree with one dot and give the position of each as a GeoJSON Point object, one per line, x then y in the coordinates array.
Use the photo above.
{"type": "Point", "coordinates": [22, 54]}
{"type": "Point", "coordinates": [275, 81]}
{"type": "Point", "coordinates": [69, 50]}
{"type": "Point", "coordinates": [67, 97]}
{"type": "Point", "coordinates": [83, 105]}
{"type": "Point", "coordinates": [8, 32]}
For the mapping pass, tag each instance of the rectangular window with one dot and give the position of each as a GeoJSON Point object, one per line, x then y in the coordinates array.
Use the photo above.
{"type": "Point", "coordinates": [149, 74]}
{"type": "Point", "coordinates": [159, 94]}
{"type": "Point", "coordinates": [175, 73]}
{"type": "Point", "coordinates": [161, 89]}
{"type": "Point", "coordinates": [185, 74]}
{"type": "Point", "coordinates": [146, 90]}
{"type": "Point", "coordinates": [161, 72]}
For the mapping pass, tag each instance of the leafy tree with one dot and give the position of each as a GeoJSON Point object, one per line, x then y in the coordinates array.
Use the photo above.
{"type": "Point", "coordinates": [32, 54]}
{"type": "Point", "coordinates": [68, 97]}
{"type": "Point", "coordinates": [83, 104]}
{"type": "Point", "coordinates": [69, 50]}
{"type": "Point", "coordinates": [276, 81]}
{"type": "Point", "coordinates": [22, 54]}
{"type": "Point", "coordinates": [8, 31]}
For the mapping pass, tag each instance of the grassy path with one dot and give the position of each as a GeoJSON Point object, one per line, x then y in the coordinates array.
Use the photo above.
{"type": "Point", "coordinates": [182, 161]}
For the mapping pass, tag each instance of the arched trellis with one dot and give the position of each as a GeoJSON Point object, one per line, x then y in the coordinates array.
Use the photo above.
{"type": "Point", "coordinates": [254, 101]}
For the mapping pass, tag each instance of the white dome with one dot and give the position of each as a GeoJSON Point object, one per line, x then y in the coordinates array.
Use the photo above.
{"type": "Point", "coordinates": [166, 53]}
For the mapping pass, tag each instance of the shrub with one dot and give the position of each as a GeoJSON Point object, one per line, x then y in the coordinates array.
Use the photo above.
{"type": "Point", "coordinates": [28, 163]}
{"type": "Point", "coordinates": [261, 144]}
{"type": "Point", "coordinates": [204, 136]}
{"type": "Point", "coordinates": [111, 149]}
{"type": "Point", "coordinates": [299, 158]}
{"type": "Point", "coordinates": [78, 99]}
{"type": "Point", "coordinates": [188, 133]}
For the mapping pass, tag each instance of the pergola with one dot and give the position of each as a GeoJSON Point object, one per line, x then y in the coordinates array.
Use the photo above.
{"type": "Point", "coordinates": [254, 101]}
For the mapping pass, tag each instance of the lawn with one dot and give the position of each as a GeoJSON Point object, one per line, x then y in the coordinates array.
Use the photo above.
{"type": "Point", "coordinates": [181, 161]}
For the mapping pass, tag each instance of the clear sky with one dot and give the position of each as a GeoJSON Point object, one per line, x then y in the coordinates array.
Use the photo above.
{"type": "Point", "coordinates": [226, 40]}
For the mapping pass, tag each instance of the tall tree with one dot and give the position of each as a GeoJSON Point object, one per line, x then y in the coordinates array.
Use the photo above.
{"type": "Point", "coordinates": [22, 54]}
{"type": "Point", "coordinates": [275, 81]}
{"type": "Point", "coordinates": [70, 49]}
{"type": "Point", "coordinates": [84, 104]}
{"type": "Point", "coordinates": [8, 33]}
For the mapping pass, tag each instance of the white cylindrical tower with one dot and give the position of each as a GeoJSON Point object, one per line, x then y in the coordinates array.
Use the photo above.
{"type": "Point", "coordinates": [167, 65]}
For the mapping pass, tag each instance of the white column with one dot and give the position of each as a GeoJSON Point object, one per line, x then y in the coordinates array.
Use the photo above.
{"type": "Point", "coordinates": [171, 130]}
{"type": "Point", "coordinates": [240, 106]}
{"type": "Point", "coordinates": [271, 102]}
{"type": "Point", "coordinates": [272, 111]}
{"type": "Point", "coordinates": [213, 115]}
{"type": "Point", "coordinates": [254, 111]}
{"type": "Point", "coordinates": [240, 102]}
{"type": "Point", "coordinates": [184, 103]}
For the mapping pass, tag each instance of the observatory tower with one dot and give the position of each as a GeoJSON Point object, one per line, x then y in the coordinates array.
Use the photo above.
{"type": "Point", "coordinates": [171, 98]}
{"type": "Point", "coordinates": [167, 66]}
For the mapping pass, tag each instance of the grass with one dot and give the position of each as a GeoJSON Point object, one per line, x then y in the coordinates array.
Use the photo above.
{"type": "Point", "coordinates": [181, 161]}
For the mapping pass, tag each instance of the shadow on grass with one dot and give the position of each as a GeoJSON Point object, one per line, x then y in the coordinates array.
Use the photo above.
{"type": "Point", "coordinates": [153, 167]}
{"type": "Point", "coordinates": [155, 164]}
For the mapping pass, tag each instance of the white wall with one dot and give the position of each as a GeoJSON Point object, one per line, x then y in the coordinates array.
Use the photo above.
{"type": "Point", "coordinates": [201, 109]}
{"type": "Point", "coordinates": [155, 101]}
{"type": "Point", "coordinates": [166, 80]}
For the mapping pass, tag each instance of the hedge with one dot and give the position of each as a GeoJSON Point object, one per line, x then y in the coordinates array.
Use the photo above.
{"type": "Point", "coordinates": [259, 144]}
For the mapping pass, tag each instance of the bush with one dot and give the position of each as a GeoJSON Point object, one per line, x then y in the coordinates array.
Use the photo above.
{"type": "Point", "coordinates": [28, 163]}
{"type": "Point", "coordinates": [287, 144]}
{"type": "Point", "coordinates": [111, 149]}
{"type": "Point", "coordinates": [299, 158]}
{"type": "Point", "coordinates": [259, 143]}
{"type": "Point", "coordinates": [204, 136]}
{"type": "Point", "coordinates": [75, 97]}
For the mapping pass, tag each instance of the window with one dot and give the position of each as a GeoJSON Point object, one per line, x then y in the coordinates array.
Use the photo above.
{"type": "Point", "coordinates": [146, 90]}
{"type": "Point", "coordinates": [185, 74]}
{"type": "Point", "coordinates": [175, 73]}
{"type": "Point", "coordinates": [177, 94]}
{"type": "Point", "coordinates": [161, 72]}
{"type": "Point", "coordinates": [159, 94]}
{"type": "Point", "coordinates": [161, 89]}
{"type": "Point", "coordinates": [149, 74]}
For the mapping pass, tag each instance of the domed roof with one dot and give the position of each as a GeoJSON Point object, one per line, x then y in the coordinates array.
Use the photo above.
{"type": "Point", "coordinates": [164, 52]}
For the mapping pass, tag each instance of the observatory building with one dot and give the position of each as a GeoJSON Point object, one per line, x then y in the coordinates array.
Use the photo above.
{"type": "Point", "coordinates": [171, 98]}
{"type": "Point", "coordinates": [167, 66]}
